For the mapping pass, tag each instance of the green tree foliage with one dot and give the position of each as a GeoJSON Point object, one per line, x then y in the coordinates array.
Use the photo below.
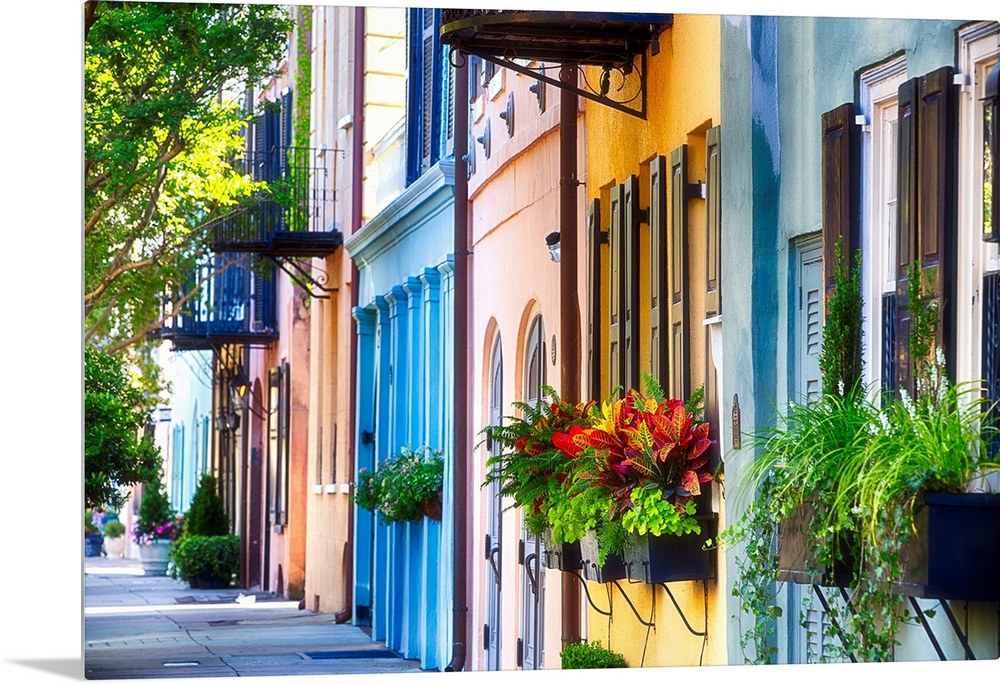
{"type": "Point", "coordinates": [162, 128]}
{"type": "Point", "coordinates": [116, 454]}
{"type": "Point", "coordinates": [207, 516]}
{"type": "Point", "coordinates": [840, 359]}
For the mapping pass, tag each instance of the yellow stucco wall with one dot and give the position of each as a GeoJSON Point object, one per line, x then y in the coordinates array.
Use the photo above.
{"type": "Point", "coordinates": [683, 91]}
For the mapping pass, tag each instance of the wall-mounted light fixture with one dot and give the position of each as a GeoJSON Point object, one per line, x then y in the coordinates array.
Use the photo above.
{"type": "Point", "coordinates": [991, 149]}
{"type": "Point", "coordinates": [238, 388]}
{"type": "Point", "coordinates": [552, 241]}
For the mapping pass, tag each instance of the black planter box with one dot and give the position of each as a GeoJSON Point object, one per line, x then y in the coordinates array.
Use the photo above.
{"type": "Point", "coordinates": [673, 558]}
{"type": "Point", "coordinates": [564, 556]}
{"type": "Point", "coordinates": [795, 558]}
{"type": "Point", "coordinates": [955, 553]}
{"type": "Point", "coordinates": [614, 565]}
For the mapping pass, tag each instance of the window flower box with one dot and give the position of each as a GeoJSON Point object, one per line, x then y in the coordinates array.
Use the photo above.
{"type": "Point", "coordinates": [671, 557]}
{"type": "Point", "coordinates": [614, 565]}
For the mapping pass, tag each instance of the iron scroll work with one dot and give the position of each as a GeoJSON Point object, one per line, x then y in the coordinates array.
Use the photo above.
{"type": "Point", "coordinates": [517, 40]}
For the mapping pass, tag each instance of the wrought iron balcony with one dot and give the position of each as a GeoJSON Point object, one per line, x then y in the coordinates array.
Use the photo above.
{"type": "Point", "coordinates": [293, 215]}
{"type": "Point", "coordinates": [233, 303]}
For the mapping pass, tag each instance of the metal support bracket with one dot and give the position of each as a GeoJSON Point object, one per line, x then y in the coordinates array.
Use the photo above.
{"type": "Point", "coordinates": [303, 278]}
{"type": "Point", "coordinates": [681, 612]}
{"type": "Point", "coordinates": [587, 592]}
{"type": "Point", "coordinates": [601, 98]}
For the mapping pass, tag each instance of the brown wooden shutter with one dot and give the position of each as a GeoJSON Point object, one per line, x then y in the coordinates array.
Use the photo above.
{"type": "Point", "coordinates": [937, 157]}
{"type": "Point", "coordinates": [680, 380]}
{"type": "Point", "coordinates": [616, 301]}
{"type": "Point", "coordinates": [659, 318]}
{"type": "Point", "coordinates": [594, 300]}
{"type": "Point", "coordinates": [906, 165]}
{"type": "Point", "coordinates": [633, 216]}
{"type": "Point", "coordinates": [713, 239]}
{"type": "Point", "coordinates": [841, 189]}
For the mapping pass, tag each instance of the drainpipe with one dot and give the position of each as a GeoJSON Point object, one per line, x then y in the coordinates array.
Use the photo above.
{"type": "Point", "coordinates": [357, 217]}
{"type": "Point", "coordinates": [569, 305]}
{"type": "Point", "coordinates": [461, 441]}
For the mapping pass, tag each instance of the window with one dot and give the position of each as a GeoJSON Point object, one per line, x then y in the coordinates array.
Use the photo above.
{"type": "Point", "coordinates": [879, 106]}
{"type": "Point", "coordinates": [430, 93]}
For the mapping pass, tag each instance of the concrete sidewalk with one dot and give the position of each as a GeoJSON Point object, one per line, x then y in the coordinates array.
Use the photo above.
{"type": "Point", "coordinates": [138, 627]}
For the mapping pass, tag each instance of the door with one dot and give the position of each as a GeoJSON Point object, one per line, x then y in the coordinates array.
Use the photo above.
{"type": "Point", "coordinates": [494, 555]}
{"type": "Point", "coordinates": [530, 645]}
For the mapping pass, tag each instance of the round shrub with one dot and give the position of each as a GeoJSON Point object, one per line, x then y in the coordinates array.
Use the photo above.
{"type": "Point", "coordinates": [590, 656]}
{"type": "Point", "coordinates": [206, 561]}
{"type": "Point", "coordinates": [114, 529]}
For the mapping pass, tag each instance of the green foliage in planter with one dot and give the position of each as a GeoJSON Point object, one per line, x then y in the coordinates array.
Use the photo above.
{"type": "Point", "coordinates": [840, 356]}
{"type": "Point", "coordinates": [207, 515]}
{"type": "Point", "coordinates": [194, 555]}
{"type": "Point", "coordinates": [114, 529]}
{"type": "Point", "coordinates": [590, 656]}
{"type": "Point", "coordinates": [860, 462]}
{"type": "Point", "coordinates": [156, 516]}
{"type": "Point", "coordinates": [401, 484]}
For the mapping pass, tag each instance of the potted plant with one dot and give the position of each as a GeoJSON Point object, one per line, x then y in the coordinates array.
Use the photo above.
{"type": "Point", "coordinates": [155, 530]}
{"type": "Point", "coordinates": [590, 656]}
{"type": "Point", "coordinates": [870, 492]}
{"type": "Point", "coordinates": [93, 539]}
{"type": "Point", "coordinates": [205, 555]}
{"type": "Point", "coordinates": [114, 539]}
{"type": "Point", "coordinates": [404, 488]}
{"type": "Point", "coordinates": [536, 474]}
{"type": "Point", "coordinates": [645, 457]}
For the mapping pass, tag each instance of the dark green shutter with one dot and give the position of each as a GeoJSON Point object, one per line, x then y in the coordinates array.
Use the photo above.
{"type": "Point", "coordinates": [713, 241]}
{"type": "Point", "coordinates": [617, 300]}
{"type": "Point", "coordinates": [680, 372]}
{"type": "Point", "coordinates": [594, 300]}
{"type": "Point", "coordinates": [659, 296]}
{"type": "Point", "coordinates": [630, 224]}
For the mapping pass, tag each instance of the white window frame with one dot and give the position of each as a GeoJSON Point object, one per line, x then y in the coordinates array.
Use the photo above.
{"type": "Point", "coordinates": [979, 50]}
{"type": "Point", "coordinates": [878, 105]}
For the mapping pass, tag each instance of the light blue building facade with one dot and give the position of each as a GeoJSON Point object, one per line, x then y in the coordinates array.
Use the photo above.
{"type": "Point", "coordinates": [784, 80]}
{"type": "Point", "coordinates": [404, 385]}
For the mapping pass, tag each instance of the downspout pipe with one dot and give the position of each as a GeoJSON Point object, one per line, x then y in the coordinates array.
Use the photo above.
{"type": "Point", "coordinates": [461, 441]}
{"type": "Point", "coordinates": [357, 218]}
{"type": "Point", "coordinates": [569, 304]}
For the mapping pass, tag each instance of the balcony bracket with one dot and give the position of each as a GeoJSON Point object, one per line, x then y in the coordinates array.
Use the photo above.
{"type": "Point", "coordinates": [587, 592]}
{"type": "Point", "coordinates": [304, 279]}
{"type": "Point", "coordinates": [614, 80]}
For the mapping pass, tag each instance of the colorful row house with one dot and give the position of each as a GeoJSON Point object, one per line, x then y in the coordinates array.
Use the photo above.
{"type": "Point", "coordinates": [490, 202]}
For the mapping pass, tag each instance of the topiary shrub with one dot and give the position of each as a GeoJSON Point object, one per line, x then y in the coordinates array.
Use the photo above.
{"type": "Point", "coordinates": [114, 529]}
{"type": "Point", "coordinates": [592, 656]}
{"type": "Point", "coordinates": [206, 562]}
{"type": "Point", "coordinates": [156, 516]}
{"type": "Point", "coordinates": [207, 516]}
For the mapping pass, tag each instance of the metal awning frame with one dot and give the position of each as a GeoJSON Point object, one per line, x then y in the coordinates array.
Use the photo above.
{"type": "Point", "coordinates": [506, 63]}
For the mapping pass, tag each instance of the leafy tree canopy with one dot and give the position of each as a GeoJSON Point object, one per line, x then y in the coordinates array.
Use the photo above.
{"type": "Point", "coordinates": [161, 130]}
{"type": "Point", "coordinates": [116, 454]}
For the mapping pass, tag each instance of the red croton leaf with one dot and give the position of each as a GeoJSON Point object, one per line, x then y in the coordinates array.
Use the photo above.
{"type": "Point", "coordinates": [690, 483]}
{"type": "Point", "coordinates": [568, 443]}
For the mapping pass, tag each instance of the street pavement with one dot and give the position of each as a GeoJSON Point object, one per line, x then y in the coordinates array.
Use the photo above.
{"type": "Point", "coordinates": [138, 627]}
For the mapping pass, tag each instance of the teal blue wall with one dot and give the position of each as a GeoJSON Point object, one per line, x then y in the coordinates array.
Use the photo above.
{"type": "Point", "coordinates": [779, 74]}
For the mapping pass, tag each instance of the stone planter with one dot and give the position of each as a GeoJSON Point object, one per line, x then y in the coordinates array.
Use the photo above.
{"type": "Point", "coordinates": [614, 566]}
{"type": "Point", "coordinates": [673, 558]}
{"type": "Point", "coordinates": [115, 546]}
{"type": "Point", "coordinates": [155, 556]}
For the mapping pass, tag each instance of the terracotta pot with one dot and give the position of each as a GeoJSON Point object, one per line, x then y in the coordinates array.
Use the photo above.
{"type": "Point", "coordinates": [431, 507]}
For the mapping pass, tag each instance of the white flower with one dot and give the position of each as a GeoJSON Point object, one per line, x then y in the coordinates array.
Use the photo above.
{"type": "Point", "coordinates": [840, 387]}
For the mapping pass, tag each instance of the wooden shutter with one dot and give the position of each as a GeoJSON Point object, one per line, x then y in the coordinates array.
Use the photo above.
{"type": "Point", "coordinates": [713, 238]}
{"type": "Point", "coordinates": [616, 302]}
{"type": "Point", "coordinates": [927, 227]}
{"type": "Point", "coordinates": [594, 300]}
{"type": "Point", "coordinates": [841, 189]}
{"type": "Point", "coordinates": [630, 224]}
{"type": "Point", "coordinates": [680, 380]}
{"type": "Point", "coordinates": [937, 217]}
{"type": "Point", "coordinates": [428, 139]}
{"type": "Point", "coordinates": [906, 165]}
{"type": "Point", "coordinates": [659, 297]}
